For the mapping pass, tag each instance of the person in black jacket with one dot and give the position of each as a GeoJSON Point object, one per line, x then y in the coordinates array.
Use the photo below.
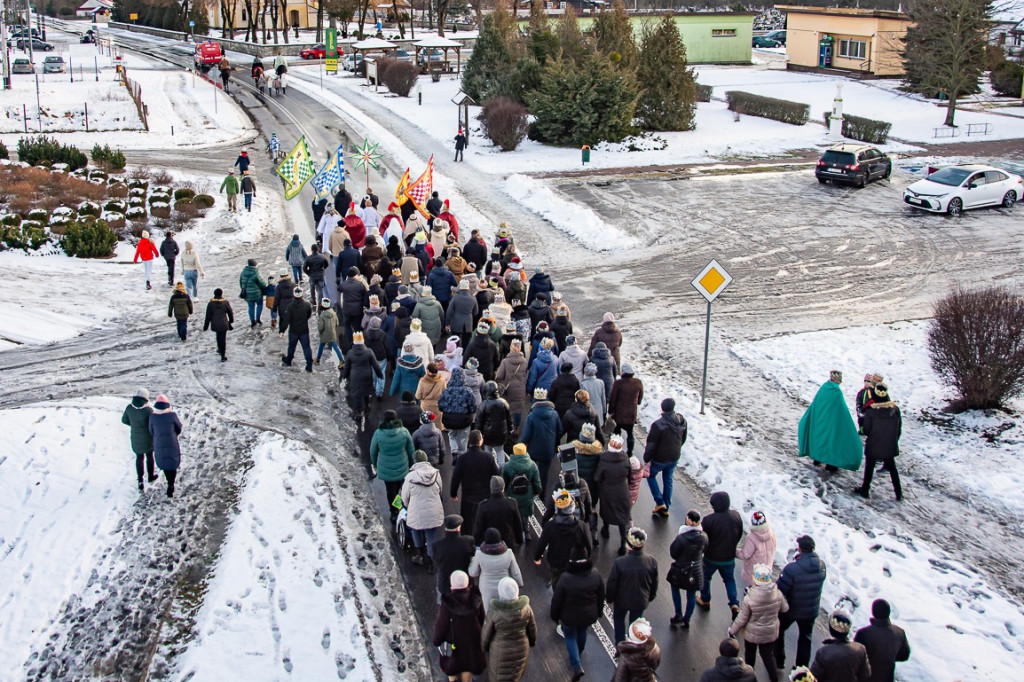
{"type": "Point", "coordinates": [839, 659]}
{"type": "Point", "coordinates": [315, 266]}
{"type": "Point", "coordinates": [687, 572]}
{"type": "Point", "coordinates": [484, 350]}
{"type": "Point", "coordinates": [219, 317]}
{"type": "Point", "coordinates": [475, 251]}
{"type": "Point", "coordinates": [883, 426]}
{"type": "Point", "coordinates": [472, 473]}
{"type": "Point", "coordinates": [352, 292]}
{"type": "Point", "coordinates": [665, 441]}
{"type": "Point", "coordinates": [494, 421]}
{"type": "Point", "coordinates": [169, 250]}
{"type": "Point", "coordinates": [295, 320]}
{"type": "Point", "coordinates": [342, 200]}
{"type": "Point", "coordinates": [500, 513]}
{"type": "Point", "coordinates": [632, 584]}
{"type": "Point", "coordinates": [562, 392]}
{"type": "Point", "coordinates": [451, 553]}
{"type": "Point", "coordinates": [576, 604]}
{"type": "Point", "coordinates": [409, 411]}
{"type": "Point", "coordinates": [886, 643]}
{"type": "Point", "coordinates": [801, 583]}
{"type": "Point", "coordinates": [729, 667]}
{"type": "Point", "coordinates": [724, 528]}
{"type": "Point", "coordinates": [565, 535]}
{"type": "Point", "coordinates": [359, 372]}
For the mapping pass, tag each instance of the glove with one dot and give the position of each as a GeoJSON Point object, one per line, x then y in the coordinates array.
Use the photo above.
{"type": "Point", "coordinates": [373, 471]}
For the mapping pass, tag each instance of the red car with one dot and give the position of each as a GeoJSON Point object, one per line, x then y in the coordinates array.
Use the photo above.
{"type": "Point", "coordinates": [315, 52]}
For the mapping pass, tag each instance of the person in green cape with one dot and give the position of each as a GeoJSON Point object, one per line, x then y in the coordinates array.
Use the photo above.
{"type": "Point", "coordinates": [827, 432]}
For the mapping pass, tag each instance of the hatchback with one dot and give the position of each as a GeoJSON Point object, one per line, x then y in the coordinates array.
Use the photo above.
{"type": "Point", "coordinates": [21, 65]}
{"type": "Point", "coordinates": [852, 163]}
{"type": "Point", "coordinates": [956, 188]}
{"type": "Point", "coordinates": [54, 64]}
{"type": "Point", "coordinates": [315, 52]}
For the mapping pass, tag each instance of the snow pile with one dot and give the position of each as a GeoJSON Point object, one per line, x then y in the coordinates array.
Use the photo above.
{"type": "Point", "coordinates": [578, 221]}
{"type": "Point", "coordinates": [281, 599]}
{"type": "Point", "coordinates": [67, 485]}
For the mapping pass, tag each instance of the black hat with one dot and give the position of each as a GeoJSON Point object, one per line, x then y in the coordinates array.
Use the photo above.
{"type": "Point", "coordinates": [252, 261]}
{"type": "Point", "coordinates": [452, 522]}
{"type": "Point", "coordinates": [389, 416]}
{"type": "Point", "coordinates": [729, 647]}
{"type": "Point", "coordinates": [217, 293]}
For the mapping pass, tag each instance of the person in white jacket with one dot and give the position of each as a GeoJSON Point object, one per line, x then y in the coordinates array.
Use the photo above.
{"type": "Point", "coordinates": [574, 356]}
{"type": "Point", "coordinates": [420, 342]}
{"type": "Point", "coordinates": [493, 562]}
{"type": "Point", "coordinates": [421, 497]}
{"type": "Point", "coordinates": [369, 215]}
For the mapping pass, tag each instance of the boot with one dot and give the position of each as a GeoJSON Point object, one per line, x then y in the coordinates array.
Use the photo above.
{"type": "Point", "coordinates": [418, 554]}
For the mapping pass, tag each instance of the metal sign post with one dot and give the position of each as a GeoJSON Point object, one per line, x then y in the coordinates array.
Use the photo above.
{"type": "Point", "coordinates": [709, 282]}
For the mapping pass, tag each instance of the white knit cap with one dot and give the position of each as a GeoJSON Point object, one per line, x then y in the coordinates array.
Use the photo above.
{"type": "Point", "coordinates": [508, 590]}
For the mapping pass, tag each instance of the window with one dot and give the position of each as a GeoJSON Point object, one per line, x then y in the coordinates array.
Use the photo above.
{"type": "Point", "coordinates": [978, 179]}
{"type": "Point", "coordinates": [723, 33]}
{"type": "Point", "coordinates": [991, 177]}
{"type": "Point", "coordinates": [853, 49]}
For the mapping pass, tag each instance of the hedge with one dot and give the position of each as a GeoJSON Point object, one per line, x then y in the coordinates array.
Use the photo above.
{"type": "Point", "coordinates": [33, 150]}
{"type": "Point", "coordinates": [863, 129]}
{"type": "Point", "coordinates": [184, 193]}
{"type": "Point", "coordinates": [704, 93]}
{"type": "Point", "coordinates": [29, 236]}
{"type": "Point", "coordinates": [768, 107]}
{"type": "Point", "coordinates": [203, 200]}
{"type": "Point", "coordinates": [89, 240]}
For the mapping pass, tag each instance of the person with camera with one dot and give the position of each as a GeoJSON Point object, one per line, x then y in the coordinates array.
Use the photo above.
{"type": "Point", "coordinates": [564, 534]}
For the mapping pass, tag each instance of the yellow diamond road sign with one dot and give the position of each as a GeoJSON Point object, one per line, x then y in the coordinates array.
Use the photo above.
{"type": "Point", "coordinates": [711, 281]}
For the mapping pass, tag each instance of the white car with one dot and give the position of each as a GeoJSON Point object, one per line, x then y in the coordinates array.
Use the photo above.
{"type": "Point", "coordinates": [955, 188]}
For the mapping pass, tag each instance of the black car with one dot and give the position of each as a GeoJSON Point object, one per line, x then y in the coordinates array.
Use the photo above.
{"type": "Point", "coordinates": [37, 45]}
{"type": "Point", "coordinates": [853, 164]}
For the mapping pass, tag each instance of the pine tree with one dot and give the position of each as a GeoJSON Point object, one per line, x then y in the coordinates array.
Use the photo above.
{"type": "Point", "coordinates": [542, 42]}
{"type": "Point", "coordinates": [575, 46]}
{"type": "Point", "coordinates": [613, 36]}
{"type": "Point", "coordinates": [498, 49]}
{"type": "Point", "coordinates": [669, 98]}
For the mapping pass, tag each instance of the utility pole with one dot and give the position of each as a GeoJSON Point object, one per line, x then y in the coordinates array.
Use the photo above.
{"type": "Point", "coordinates": [6, 67]}
{"type": "Point", "coordinates": [28, 27]}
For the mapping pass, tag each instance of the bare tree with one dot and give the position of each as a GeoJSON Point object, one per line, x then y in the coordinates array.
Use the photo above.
{"type": "Point", "coordinates": [442, 14]}
{"type": "Point", "coordinates": [228, 9]}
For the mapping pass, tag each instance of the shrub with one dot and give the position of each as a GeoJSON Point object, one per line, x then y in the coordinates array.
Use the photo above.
{"type": "Point", "coordinates": [136, 191]}
{"type": "Point", "coordinates": [668, 93]}
{"type": "Point", "coordinates": [38, 215]}
{"type": "Point", "coordinates": [4, 154]}
{"type": "Point", "coordinates": [107, 157]}
{"type": "Point", "coordinates": [29, 236]}
{"type": "Point", "coordinates": [96, 174]}
{"type": "Point", "coordinates": [88, 208]}
{"type": "Point", "coordinates": [115, 221]}
{"type": "Point", "coordinates": [139, 183]}
{"type": "Point", "coordinates": [1006, 79]}
{"type": "Point", "coordinates": [10, 220]}
{"type": "Point", "coordinates": [704, 93]}
{"type": "Point", "coordinates": [180, 205]}
{"type": "Point", "coordinates": [203, 200]}
{"type": "Point", "coordinates": [184, 193]}
{"type": "Point", "coordinates": [183, 215]}
{"type": "Point", "coordinates": [382, 68]}
{"type": "Point", "coordinates": [768, 107]}
{"type": "Point", "coordinates": [976, 343]}
{"type": "Point", "coordinates": [504, 123]}
{"type": "Point", "coordinates": [35, 150]}
{"type": "Point", "coordinates": [118, 190]}
{"type": "Point", "coordinates": [863, 129]}
{"type": "Point", "coordinates": [400, 77]}
{"type": "Point", "coordinates": [114, 206]}
{"type": "Point", "coordinates": [159, 198]}
{"type": "Point", "coordinates": [136, 201]}
{"type": "Point", "coordinates": [89, 240]}
{"type": "Point", "coordinates": [136, 213]}
{"type": "Point", "coordinates": [160, 209]}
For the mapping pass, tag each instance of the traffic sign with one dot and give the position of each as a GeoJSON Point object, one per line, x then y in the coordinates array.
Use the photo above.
{"type": "Point", "coordinates": [191, 23]}
{"type": "Point", "coordinates": [711, 281]}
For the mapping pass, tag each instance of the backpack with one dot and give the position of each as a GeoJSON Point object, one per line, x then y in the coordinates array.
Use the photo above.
{"type": "Point", "coordinates": [520, 485]}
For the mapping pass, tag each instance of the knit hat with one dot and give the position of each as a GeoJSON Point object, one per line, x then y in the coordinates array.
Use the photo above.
{"type": "Point", "coordinates": [609, 317]}
{"type": "Point", "coordinates": [325, 302]}
{"type": "Point", "coordinates": [162, 403]}
{"type": "Point", "coordinates": [639, 631]}
{"type": "Point", "coordinates": [729, 647]}
{"type": "Point", "coordinates": [408, 348]}
{"type": "Point", "coordinates": [570, 340]}
{"type": "Point", "coordinates": [492, 536]}
{"type": "Point", "coordinates": [762, 574]}
{"type": "Point", "coordinates": [508, 589]}
{"type": "Point", "coordinates": [542, 326]}
{"type": "Point", "coordinates": [420, 456]}
{"type": "Point", "coordinates": [615, 443]}
{"type": "Point", "coordinates": [519, 449]}
{"type": "Point", "coordinates": [515, 263]}
{"type": "Point", "coordinates": [497, 484]}
{"type": "Point", "coordinates": [880, 609]}
{"type": "Point", "coordinates": [668, 405]}
{"type": "Point", "coordinates": [590, 369]}
{"type": "Point", "coordinates": [566, 369]}
{"type": "Point", "coordinates": [805, 543]}
{"type": "Point", "coordinates": [587, 432]}
{"type": "Point", "coordinates": [459, 580]}
{"type": "Point", "coordinates": [452, 522]}
{"type": "Point", "coordinates": [145, 235]}
{"type": "Point", "coordinates": [758, 519]}
{"type": "Point", "coordinates": [540, 394]}
{"type": "Point", "coordinates": [802, 674]}
{"type": "Point", "coordinates": [251, 261]}
{"type": "Point", "coordinates": [408, 397]}
{"type": "Point", "coordinates": [839, 623]}
{"type": "Point", "coordinates": [836, 376]}
{"type": "Point", "coordinates": [357, 337]}
{"type": "Point", "coordinates": [627, 368]}
{"type": "Point", "coordinates": [142, 393]}
{"type": "Point", "coordinates": [562, 498]}
{"type": "Point", "coordinates": [427, 417]}
{"type": "Point", "coordinates": [636, 538]}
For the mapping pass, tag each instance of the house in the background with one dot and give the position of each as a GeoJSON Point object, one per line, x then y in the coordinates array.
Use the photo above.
{"type": "Point", "coordinates": [717, 37]}
{"type": "Point", "coordinates": [97, 10]}
{"type": "Point", "coordinates": [301, 14]}
{"type": "Point", "coordinates": [863, 41]}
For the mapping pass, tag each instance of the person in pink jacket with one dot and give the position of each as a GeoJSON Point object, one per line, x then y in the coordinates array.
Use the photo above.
{"type": "Point", "coordinates": [758, 546]}
{"type": "Point", "coordinates": [147, 251]}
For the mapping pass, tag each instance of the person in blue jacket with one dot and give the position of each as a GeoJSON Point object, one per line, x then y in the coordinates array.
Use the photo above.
{"type": "Point", "coordinates": [801, 583]}
{"type": "Point", "coordinates": [544, 368]}
{"type": "Point", "coordinates": [165, 427]}
{"type": "Point", "coordinates": [541, 434]}
{"type": "Point", "coordinates": [408, 371]}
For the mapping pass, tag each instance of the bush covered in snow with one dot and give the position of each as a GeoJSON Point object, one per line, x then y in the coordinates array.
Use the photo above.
{"type": "Point", "coordinates": [160, 209]}
{"type": "Point", "coordinates": [768, 107]}
{"type": "Point", "coordinates": [399, 77]}
{"type": "Point", "coordinates": [184, 193]}
{"type": "Point", "coordinates": [89, 208]}
{"type": "Point", "coordinates": [203, 200]}
{"type": "Point", "coordinates": [39, 215]}
{"type": "Point", "coordinates": [84, 240]}
{"type": "Point", "coordinates": [29, 236]}
{"type": "Point", "coordinates": [136, 213]}
{"type": "Point", "coordinates": [115, 206]}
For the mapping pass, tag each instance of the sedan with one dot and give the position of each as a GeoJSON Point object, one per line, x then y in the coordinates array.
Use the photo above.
{"type": "Point", "coordinates": [22, 66]}
{"type": "Point", "coordinates": [315, 52]}
{"type": "Point", "coordinates": [955, 188]}
{"type": "Point", "coordinates": [54, 64]}
{"type": "Point", "coordinates": [770, 39]}
{"type": "Point", "coordinates": [37, 45]}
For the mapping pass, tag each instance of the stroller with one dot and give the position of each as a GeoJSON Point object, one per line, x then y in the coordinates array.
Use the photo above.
{"type": "Point", "coordinates": [402, 535]}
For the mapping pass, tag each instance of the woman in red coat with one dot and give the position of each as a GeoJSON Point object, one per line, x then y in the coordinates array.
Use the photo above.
{"type": "Point", "coordinates": [147, 251]}
{"type": "Point", "coordinates": [355, 227]}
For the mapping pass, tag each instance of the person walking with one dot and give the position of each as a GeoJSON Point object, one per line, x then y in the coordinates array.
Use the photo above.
{"type": "Point", "coordinates": [359, 372]}
{"type": "Point", "coordinates": [295, 321]}
{"type": "Point", "coordinates": [511, 380]}
{"type": "Point", "coordinates": [839, 659]}
{"type": "Point", "coordinates": [219, 318]}
{"type": "Point", "coordinates": [136, 416]}
{"type": "Point", "coordinates": [626, 395]}
{"type": "Point", "coordinates": [192, 269]}
{"type": "Point", "coordinates": [509, 632]}
{"type": "Point", "coordinates": [664, 446]}
{"type": "Point", "coordinates": [565, 535]}
{"type": "Point", "coordinates": [493, 562]}
{"type": "Point", "coordinates": [242, 160]}
{"type": "Point", "coordinates": [461, 311]}
{"type": "Point", "coordinates": [315, 266]}
{"type": "Point", "coordinates": [724, 528]}
{"type": "Point", "coordinates": [729, 667]}
{"type": "Point", "coordinates": [421, 497]}
{"type": "Point", "coordinates": [608, 334]}
{"type": "Point", "coordinates": [483, 349]}
{"type": "Point", "coordinates": [494, 421]}
{"type": "Point", "coordinates": [460, 145]}
{"type": "Point", "coordinates": [452, 552]}
{"type": "Point", "coordinates": [458, 409]}
{"type": "Point", "coordinates": [229, 186]}
{"type": "Point", "coordinates": [391, 452]}
{"type": "Point", "coordinates": [146, 251]}
{"type": "Point", "coordinates": [248, 187]}
{"type": "Point", "coordinates": [758, 546]}
{"type": "Point", "coordinates": [458, 628]}
{"type": "Point", "coordinates": [632, 583]}
{"type": "Point", "coordinates": [612, 479]}
{"type": "Point", "coordinates": [801, 584]}
{"type": "Point", "coordinates": [596, 392]}
{"type": "Point", "coordinates": [429, 438]}
{"type": "Point", "coordinates": [541, 433]}
{"type": "Point", "coordinates": [472, 476]}
{"type": "Point", "coordinates": [686, 574]}
{"type": "Point", "coordinates": [165, 427]}
{"type": "Point", "coordinates": [180, 307]}
{"type": "Point", "coordinates": [500, 513]}
{"type": "Point", "coordinates": [639, 654]}
{"type": "Point", "coordinates": [885, 643]}
{"type": "Point", "coordinates": [576, 605]}
{"type": "Point", "coordinates": [169, 251]}
{"type": "Point", "coordinates": [522, 482]}
{"type": "Point", "coordinates": [430, 389]}
{"type": "Point", "coordinates": [562, 392]}
{"type": "Point", "coordinates": [327, 328]}
{"type": "Point", "coordinates": [883, 426]}
{"type": "Point", "coordinates": [826, 432]}
{"type": "Point", "coordinates": [295, 254]}
{"type": "Point", "coordinates": [253, 287]}
{"type": "Point", "coordinates": [759, 620]}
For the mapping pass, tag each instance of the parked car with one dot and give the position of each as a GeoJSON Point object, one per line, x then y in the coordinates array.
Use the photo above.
{"type": "Point", "coordinates": [856, 164]}
{"type": "Point", "coordinates": [23, 32]}
{"type": "Point", "coordinates": [22, 65]}
{"type": "Point", "coordinates": [89, 37]}
{"type": "Point", "coordinates": [37, 45]}
{"type": "Point", "coordinates": [352, 62]}
{"type": "Point", "coordinates": [54, 64]}
{"type": "Point", "coordinates": [955, 188]}
{"type": "Point", "coordinates": [770, 39]}
{"type": "Point", "coordinates": [403, 56]}
{"type": "Point", "coordinates": [316, 52]}
{"type": "Point", "coordinates": [436, 55]}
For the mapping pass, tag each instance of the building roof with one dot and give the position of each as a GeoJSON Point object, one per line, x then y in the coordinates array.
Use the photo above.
{"type": "Point", "coordinates": [843, 12]}
{"type": "Point", "coordinates": [93, 5]}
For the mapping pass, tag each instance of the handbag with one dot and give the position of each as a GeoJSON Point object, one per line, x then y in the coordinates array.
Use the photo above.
{"type": "Point", "coordinates": [447, 649]}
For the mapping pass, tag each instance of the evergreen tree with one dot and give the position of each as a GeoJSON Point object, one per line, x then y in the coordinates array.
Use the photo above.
{"type": "Point", "coordinates": [542, 42]}
{"type": "Point", "coordinates": [613, 36]}
{"type": "Point", "coordinates": [669, 98]}
{"type": "Point", "coordinates": [575, 46]}
{"type": "Point", "coordinates": [498, 49]}
{"type": "Point", "coordinates": [583, 103]}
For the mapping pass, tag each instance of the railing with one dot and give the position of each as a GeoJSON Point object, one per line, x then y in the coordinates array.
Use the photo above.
{"type": "Point", "coordinates": [946, 131]}
{"type": "Point", "coordinates": [978, 129]}
{"type": "Point", "coordinates": [135, 92]}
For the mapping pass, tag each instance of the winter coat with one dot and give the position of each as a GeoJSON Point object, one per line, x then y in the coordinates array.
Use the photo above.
{"type": "Point", "coordinates": [462, 310]}
{"type": "Point", "coordinates": [609, 333]}
{"type": "Point", "coordinates": [574, 357]}
{"type": "Point", "coordinates": [588, 456]}
{"type": "Point", "coordinates": [421, 495]}
{"type": "Point", "coordinates": [180, 306]}
{"type": "Point", "coordinates": [759, 614]}
{"type": "Point", "coordinates": [356, 230]}
{"type": "Point", "coordinates": [459, 621]}
{"type": "Point", "coordinates": [561, 328]}
{"type": "Point", "coordinates": [475, 251]}
{"type": "Point", "coordinates": [372, 256]}
{"type": "Point", "coordinates": [633, 582]}
{"type": "Point", "coordinates": [295, 253]}
{"type": "Point", "coordinates": [539, 312]}
{"type": "Point", "coordinates": [838, 660]}
{"type": "Point", "coordinates": [578, 597]}
{"type": "Point", "coordinates": [376, 340]}
{"type": "Point", "coordinates": [169, 248]}
{"type": "Point", "coordinates": [472, 476]}
{"type": "Point", "coordinates": [627, 394]}
{"type": "Point", "coordinates": [540, 283]}
{"type": "Point", "coordinates": [502, 514]}
{"type": "Point", "coordinates": [360, 369]}
{"type": "Point", "coordinates": [607, 368]}
{"type": "Point", "coordinates": [352, 291]}
{"type": "Point", "coordinates": [575, 417]}
{"type": "Point", "coordinates": [284, 294]}
{"type": "Point", "coordinates": [510, 629]}
{"type": "Point", "coordinates": [542, 372]}
{"type": "Point", "coordinates": [490, 564]}
{"type": "Point", "coordinates": [422, 346]}
{"type": "Point", "coordinates": [826, 432]}
{"type": "Point", "coordinates": [408, 265]}
{"type": "Point", "coordinates": [687, 552]}
{"type": "Point", "coordinates": [429, 311]}
{"type": "Point", "coordinates": [729, 669]}
{"type": "Point", "coordinates": [229, 185]}
{"type": "Point", "coordinates": [522, 465]}
{"type": "Point", "coordinates": [665, 439]}
{"type": "Point", "coordinates": [561, 535]}
{"type": "Point", "coordinates": [145, 250]}
{"type": "Point", "coordinates": [190, 261]}
{"type": "Point", "coordinates": [429, 391]}
{"type": "Point", "coordinates": [535, 343]}
{"type": "Point", "coordinates": [391, 451]}
{"type": "Point", "coordinates": [511, 380]}
{"type": "Point", "coordinates": [327, 326]}
{"type": "Point", "coordinates": [408, 412]}
{"type": "Point", "coordinates": [886, 644]}
{"type": "Point", "coordinates": [612, 479]}
{"type": "Point", "coordinates": [494, 421]}
{"type": "Point", "coordinates": [164, 427]}
{"type": "Point", "coordinates": [251, 284]}
{"type": "Point", "coordinates": [562, 392]}
{"type": "Point", "coordinates": [474, 382]}
{"type": "Point", "coordinates": [429, 439]}
{"type": "Point", "coordinates": [883, 426]}
{"type": "Point", "coordinates": [757, 548]}
{"type": "Point", "coordinates": [598, 396]}
{"type": "Point", "coordinates": [315, 266]}
{"type": "Point", "coordinates": [408, 370]}
{"type": "Point", "coordinates": [295, 320]}
{"type": "Point", "coordinates": [724, 528]}
{"type": "Point", "coordinates": [636, 477]}
{"type": "Point", "coordinates": [348, 257]}
{"type": "Point", "coordinates": [542, 431]}
{"type": "Point", "coordinates": [457, 402]}
{"type": "Point", "coordinates": [371, 312]}
{"type": "Point", "coordinates": [637, 662]}
{"type": "Point", "coordinates": [136, 415]}
{"type": "Point", "coordinates": [801, 583]}
{"type": "Point", "coordinates": [453, 552]}
{"type": "Point", "coordinates": [451, 359]}
{"type": "Point", "coordinates": [441, 282]}
{"type": "Point", "coordinates": [219, 315]}
{"type": "Point", "coordinates": [484, 350]}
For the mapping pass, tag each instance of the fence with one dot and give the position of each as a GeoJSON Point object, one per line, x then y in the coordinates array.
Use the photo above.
{"type": "Point", "coordinates": [135, 92]}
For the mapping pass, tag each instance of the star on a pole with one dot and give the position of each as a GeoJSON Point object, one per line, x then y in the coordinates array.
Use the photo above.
{"type": "Point", "coordinates": [366, 155]}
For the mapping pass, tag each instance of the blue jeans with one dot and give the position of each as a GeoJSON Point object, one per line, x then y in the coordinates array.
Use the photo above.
{"type": "Point", "coordinates": [255, 310]}
{"type": "Point", "coordinates": [668, 472]}
{"type": "Point", "coordinates": [575, 643]}
{"type": "Point", "coordinates": [183, 329]}
{"type": "Point", "coordinates": [248, 201]}
{"type": "Point", "coordinates": [316, 287]}
{"type": "Point", "coordinates": [294, 340]}
{"type": "Point", "coordinates": [192, 282]}
{"type": "Point", "coordinates": [332, 344]}
{"type": "Point", "coordinates": [728, 571]}
{"type": "Point", "coordinates": [421, 537]}
{"type": "Point", "coordinates": [677, 602]}
{"type": "Point", "coordinates": [297, 277]}
{"type": "Point", "coordinates": [378, 381]}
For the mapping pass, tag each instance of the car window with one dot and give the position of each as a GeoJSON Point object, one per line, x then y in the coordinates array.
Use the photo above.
{"type": "Point", "coordinates": [995, 176]}
{"type": "Point", "coordinates": [977, 179]}
{"type": "Point", "coordinates": [841, 158]}
{"type": "Point", "coordinates": [869, 154]}
{"type": "Point", "coordinates": [952, 176]}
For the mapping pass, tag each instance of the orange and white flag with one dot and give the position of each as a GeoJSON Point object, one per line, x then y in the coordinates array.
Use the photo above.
{"type": "Point", "coordinates": [400, 197]}
{"type": "Point", "coordinates": [419, 191]}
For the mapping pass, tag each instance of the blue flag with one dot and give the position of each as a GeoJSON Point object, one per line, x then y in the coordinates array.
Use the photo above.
{"type": "Point", "coordinates": [331, 175]}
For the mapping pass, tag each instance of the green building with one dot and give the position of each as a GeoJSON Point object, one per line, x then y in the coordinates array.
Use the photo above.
{"type": "Point", "coordinates": [717, 37]}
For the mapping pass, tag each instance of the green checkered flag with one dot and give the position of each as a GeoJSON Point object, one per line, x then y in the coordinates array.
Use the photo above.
{"type": "Point", "coordinates": [296, 169]}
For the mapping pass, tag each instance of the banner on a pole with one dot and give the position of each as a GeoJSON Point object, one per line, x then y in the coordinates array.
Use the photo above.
{"type": "Point", "coordinates": [331, 51]}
